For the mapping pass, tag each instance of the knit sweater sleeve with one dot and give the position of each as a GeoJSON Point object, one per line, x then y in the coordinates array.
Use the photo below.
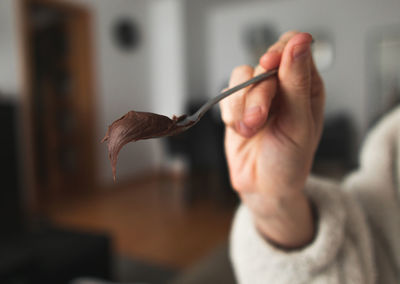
{"type": "Point", "coordinates": [341, 251]}
{"type": "Point", "coordinates": [375, 186]}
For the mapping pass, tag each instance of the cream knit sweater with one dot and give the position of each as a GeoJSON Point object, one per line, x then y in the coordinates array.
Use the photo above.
{"type": "Point", "coordinates": [358, 229]}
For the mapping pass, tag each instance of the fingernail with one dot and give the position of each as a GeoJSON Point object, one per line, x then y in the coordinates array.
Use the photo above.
{"type": "Point", "coordinates": [243, 129]}
{"type": "Point", "coordinates": [300, 51]}
{"type": "Point", "coordinates": [264, 57]}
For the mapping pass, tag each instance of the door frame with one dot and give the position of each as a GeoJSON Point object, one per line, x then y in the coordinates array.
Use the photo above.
{"type": "Point", "coordinates": [33, 199]}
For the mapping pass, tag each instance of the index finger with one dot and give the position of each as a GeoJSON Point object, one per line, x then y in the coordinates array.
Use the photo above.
{"type": "Point", "coordinates": [272, 58]}
{"type": "Point", "coordinates": [232, 106]}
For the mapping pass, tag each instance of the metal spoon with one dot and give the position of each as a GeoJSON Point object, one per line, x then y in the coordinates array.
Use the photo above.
{"type": "Point", "coordinates": [135, 126]}
{"type": "Point", "coordinates": [191, 120]}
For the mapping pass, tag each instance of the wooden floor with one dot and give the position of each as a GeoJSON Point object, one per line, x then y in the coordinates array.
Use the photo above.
{"type": "Point", "coordinates": [150, 220]}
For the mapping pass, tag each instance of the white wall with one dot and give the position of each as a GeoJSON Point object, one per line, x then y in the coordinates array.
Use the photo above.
{"type": "Point", "coordinates": [196, 41]}
{"type": "Point", "coordinates": [148, 79]}
{"type": "Point", "coordinates": [122, 83]}
{"type": "Point", "coordinates": [167, 66]}
{"type": "Point", "coordinates": [347, 22]}
{"type": "Point", "coordinates": [166, 43]}
{"type": "Point", "coordinates": [121, 78]}
{"type": "Point", "coordinates": [9, 65]}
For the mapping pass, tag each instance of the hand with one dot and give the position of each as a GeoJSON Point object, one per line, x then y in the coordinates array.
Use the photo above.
{"type": "Point", "coordinates": [272, 131]}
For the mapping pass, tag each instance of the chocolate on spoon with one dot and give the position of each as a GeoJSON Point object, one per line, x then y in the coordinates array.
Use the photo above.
{"type": "Point", "coordinates": [135, 126]}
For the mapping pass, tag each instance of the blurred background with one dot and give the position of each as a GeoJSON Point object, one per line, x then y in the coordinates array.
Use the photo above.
{"type": "Point", "coordinates": [68, 68]}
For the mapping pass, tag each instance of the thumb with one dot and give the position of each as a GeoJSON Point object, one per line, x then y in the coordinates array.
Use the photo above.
{"type": "Point", "coordinates": [295, 76]}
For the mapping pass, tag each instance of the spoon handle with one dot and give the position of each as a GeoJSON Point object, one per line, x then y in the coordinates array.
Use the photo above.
{"type": "Point", "coordinates": [198, 114]}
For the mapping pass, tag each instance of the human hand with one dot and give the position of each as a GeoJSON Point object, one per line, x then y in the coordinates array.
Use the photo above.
{"type": "Point", "coordinates": [272, 131]}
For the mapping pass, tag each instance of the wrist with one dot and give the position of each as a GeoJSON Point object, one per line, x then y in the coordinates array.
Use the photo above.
{"type": "Point", "coordinates": [291, 225]}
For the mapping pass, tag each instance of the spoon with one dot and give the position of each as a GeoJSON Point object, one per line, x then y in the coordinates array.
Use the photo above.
{"type": "Point", "coordinates": [189, 121]}
{"type": "Point", "coordinates": [136, 125]}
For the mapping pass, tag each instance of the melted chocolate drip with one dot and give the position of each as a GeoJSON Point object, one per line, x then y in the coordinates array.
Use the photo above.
{"type": "Point", "coordinates": [135, 126]}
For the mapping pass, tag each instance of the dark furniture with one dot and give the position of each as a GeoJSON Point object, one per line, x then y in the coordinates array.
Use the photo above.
{"type": "Point", "coordinates": [45, 254]}
{"type": "Point", "coordinates": [54, 255]}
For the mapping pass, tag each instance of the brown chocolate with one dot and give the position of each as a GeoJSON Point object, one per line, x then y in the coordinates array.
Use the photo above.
{"type": "Point", "coordinates": [135, 126]}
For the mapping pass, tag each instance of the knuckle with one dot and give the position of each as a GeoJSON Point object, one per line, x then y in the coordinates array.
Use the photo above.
{"type": "Point", "coordinates": [300, 82]}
